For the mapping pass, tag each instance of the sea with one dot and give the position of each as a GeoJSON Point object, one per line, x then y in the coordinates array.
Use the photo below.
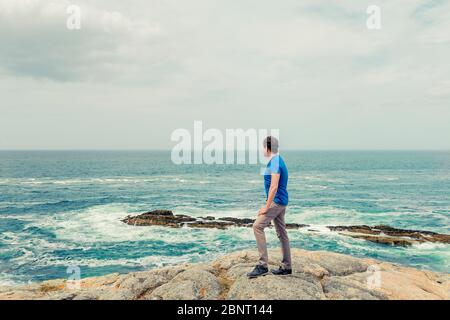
{"type": "Point", "coordinates": [63, 209]}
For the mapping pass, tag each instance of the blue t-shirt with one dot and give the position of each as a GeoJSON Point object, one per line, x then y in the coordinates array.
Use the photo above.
{"type": "Point", "coordinates": [277, 165]}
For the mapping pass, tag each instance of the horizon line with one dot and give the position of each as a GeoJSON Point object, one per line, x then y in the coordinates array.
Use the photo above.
{"type": "Point", "coordinates": [168, 150]}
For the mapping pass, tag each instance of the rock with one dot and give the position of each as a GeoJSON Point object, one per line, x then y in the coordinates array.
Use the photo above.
{"type": "Point", "coordinates": [383, 240]}
{"type": "Point", "coordinates": [389, 235]}
{"type": "Point", "coordinates": [168, 219]}
{"type": "Point", "coordinates": [316, 275]}
{"type": "Point", "coordinates": [159, 218]}
{"type": "Point", "coordinates": [344, 288]}
{"type": "Point", "coordinates": [296, 225]}
{"type": "Point", "coordinates": [196, 283]}
{"type": "Point", "coordinates": [161, 212]}
{"type": "Point", "coordinates": [208, 218]}
{"type": "Point", "coordinates": [137, 285]}
{"type": "Point", "coordinates": [295, 287]}
{"type": "Point", "coordinates": [336, 264]}
{"type": "Point", "coordinates": [215, 224]}
{"type": "Point", "coordinates": [245, 222]}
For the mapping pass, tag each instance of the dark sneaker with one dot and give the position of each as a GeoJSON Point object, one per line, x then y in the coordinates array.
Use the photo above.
{"type": "Point", "coordinates": [258, 271]}
{"type": "Point", "coordinates": [281, 271]}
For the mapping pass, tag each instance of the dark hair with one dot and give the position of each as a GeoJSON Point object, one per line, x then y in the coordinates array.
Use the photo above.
{"type": "Point", "coordinates": [271, 143]}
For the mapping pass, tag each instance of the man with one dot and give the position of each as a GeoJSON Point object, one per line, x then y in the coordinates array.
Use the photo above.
{"type": "Point", "coordinates": [275, 183]}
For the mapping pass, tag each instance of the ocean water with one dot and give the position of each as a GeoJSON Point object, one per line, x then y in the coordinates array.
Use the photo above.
{"type": "Point", "coordinates": [61, 209]}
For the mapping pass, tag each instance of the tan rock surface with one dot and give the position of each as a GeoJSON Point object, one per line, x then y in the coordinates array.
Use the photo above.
{"type": "Point", "coordinates": [317, 275]}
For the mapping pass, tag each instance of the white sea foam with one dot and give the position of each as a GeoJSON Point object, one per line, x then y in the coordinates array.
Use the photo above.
{"type": "Point", "coordinates": [391, 178]}
{"type": "Point", "coordinates": [315, 187]}
{"type": "Point", "coordinates": [103, 224]}
{"type": "Point", "coordinates": [384, 178]}
{"type": "Point", "coordinates": [33, 182]}
{"type": "Point", "coordinates": [326, 215]}
{"type": "Point", "coordinates": [24, 218]}
{"type": "Point", "coordinates": [76, 181]}
{"type": "Point", "coordinates": [322, 229]}
{"type": "Point", "coordinates": [100, 223]}
{"type": "Point", "coordinates": [146, 262]}
{"type": "Point", "coordinates": [319, 178]}
{"type": "Point", "coordinates": [10, 237]}
{"type": "Point", "coordinates": [5, 280]}
{"type": "Point", "coordinates": [430, 246]}
{"type": "Point", "coordinates": [5, 181]}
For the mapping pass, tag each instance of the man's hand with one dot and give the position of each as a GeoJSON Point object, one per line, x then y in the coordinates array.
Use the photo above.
{"type": "Point", "coordinates": [262, 211]}
{"type": "Point", "coordinates": [275, 179]}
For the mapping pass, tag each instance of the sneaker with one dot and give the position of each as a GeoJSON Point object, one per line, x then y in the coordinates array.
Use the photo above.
{"type": "Point", "coordinates": [281, 271]}
{"type": "Point", "coordinates": [258, 271]}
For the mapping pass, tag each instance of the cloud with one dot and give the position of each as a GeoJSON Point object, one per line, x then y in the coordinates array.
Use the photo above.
{"type": "Point", "coordinates": [37, 43]}
{"type": "Point", "coordinates": [140, 70]}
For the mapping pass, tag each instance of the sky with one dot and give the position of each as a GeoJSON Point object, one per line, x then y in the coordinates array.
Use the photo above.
{"type": "Point", "coordinates": [138, 70]}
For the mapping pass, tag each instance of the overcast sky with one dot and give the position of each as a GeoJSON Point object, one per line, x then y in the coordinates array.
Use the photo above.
{"type": "Point", "coordinates": [139, 69]}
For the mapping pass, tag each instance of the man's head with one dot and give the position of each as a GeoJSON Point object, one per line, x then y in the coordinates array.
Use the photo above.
{"type": "Point", "coordinates": [270, 145]}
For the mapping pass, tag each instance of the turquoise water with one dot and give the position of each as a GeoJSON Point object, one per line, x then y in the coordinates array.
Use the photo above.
{"type": "Point", "coordinates": [59, 209]}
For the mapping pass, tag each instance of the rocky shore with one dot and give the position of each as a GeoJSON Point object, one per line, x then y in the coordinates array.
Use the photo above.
{"type": "Point", "coordinates": [378, 234]}
{"type": "Point", "coordinates": [317, 275]}
{"type": "Point", "coordinates": [389, 235]}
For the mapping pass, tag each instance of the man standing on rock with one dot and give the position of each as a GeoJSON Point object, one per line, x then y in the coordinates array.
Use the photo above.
{"type": "Point", "coordinates": [275, 184]}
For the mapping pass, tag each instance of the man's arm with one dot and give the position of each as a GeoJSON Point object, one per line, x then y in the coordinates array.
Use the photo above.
{"type": "Point", "coordinates": [272, 192]}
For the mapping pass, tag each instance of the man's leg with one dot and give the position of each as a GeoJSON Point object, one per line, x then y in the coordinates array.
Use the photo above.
{"type": "Point", "coordinates": [259, 225]}
{"type": "Point", "coordinates": [280, 227]}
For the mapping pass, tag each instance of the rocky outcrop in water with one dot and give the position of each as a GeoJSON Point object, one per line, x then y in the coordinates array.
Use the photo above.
{"type": "Point", "coordinates": [389, 235]}
{"type": "Point", "coordinates": [167, 218]}
{"type": "Point", "coordinates": [316, 276]}
{"type": "Point", "coordinates": [377, 234]}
